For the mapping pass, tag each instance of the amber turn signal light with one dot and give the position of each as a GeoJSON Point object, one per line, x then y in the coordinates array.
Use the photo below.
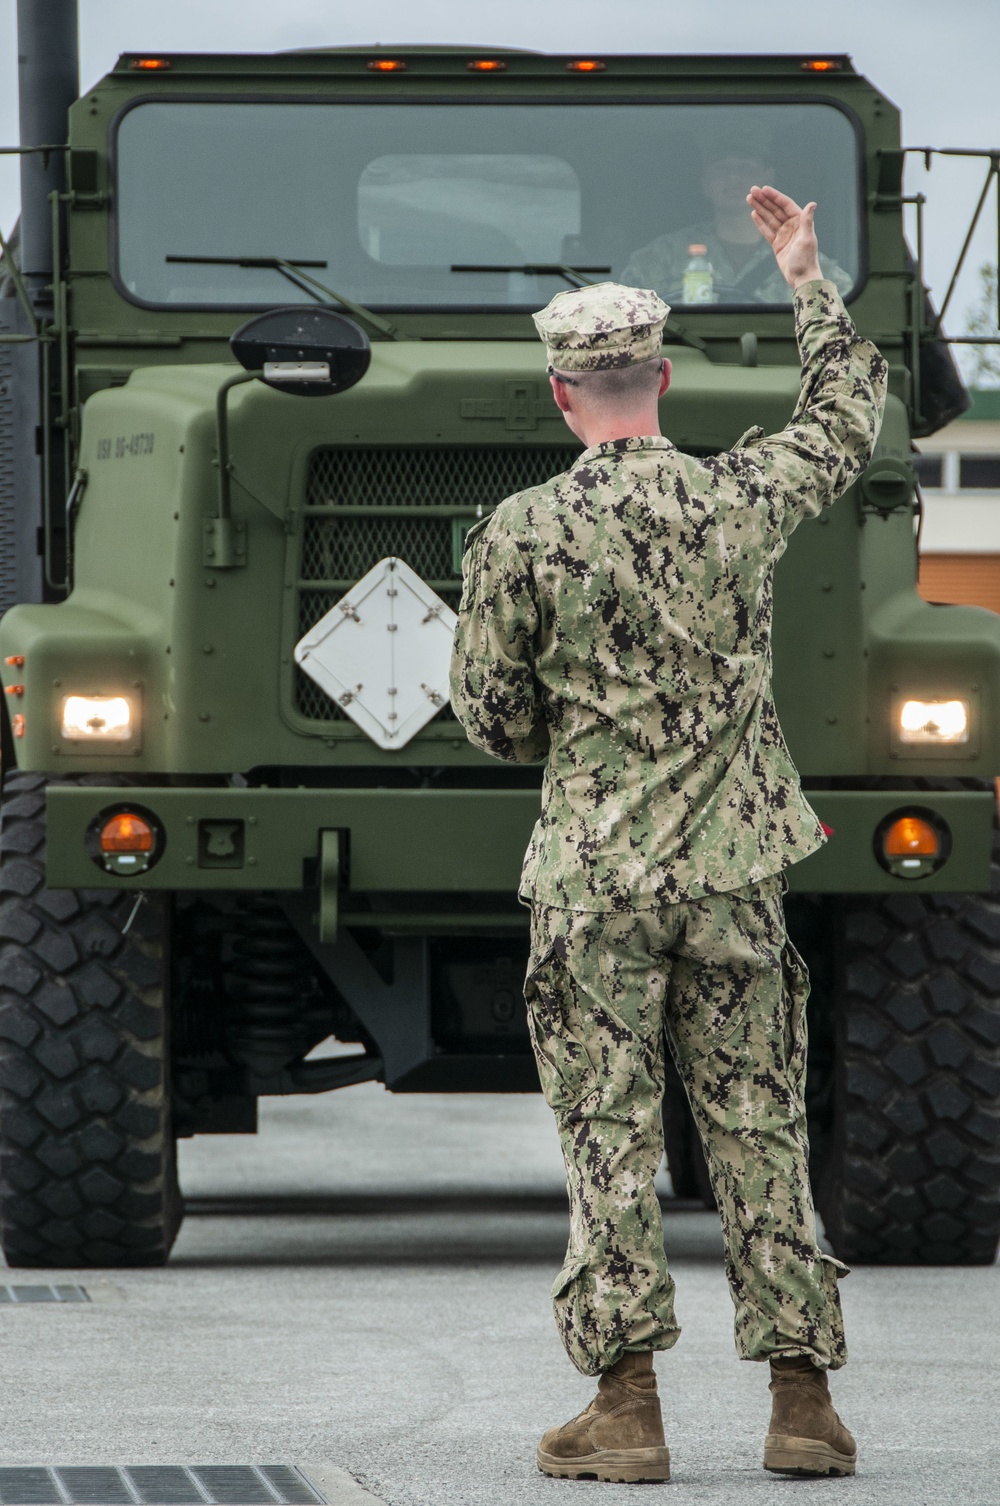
{"type": "Point", "coordinates": [586, 65]}
{"type": "Point", "coordinates": [386, 65]}
{"type": "Point", "coordinates": [125, 841]}
{"type": "Point", "coordinates": [127, 832]}
{"type": "Point", "coordinates": [912, 844]}
{"type": "Point", "coordinates": [911, 836]}
{"type": "Point", "coordinates": [150, 65]}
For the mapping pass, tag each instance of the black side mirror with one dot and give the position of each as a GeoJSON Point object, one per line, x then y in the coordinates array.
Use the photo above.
{"type": "Point", "coordinates": [311, 352]}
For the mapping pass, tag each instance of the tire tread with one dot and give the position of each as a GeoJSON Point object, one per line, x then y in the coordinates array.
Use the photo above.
{"type": "Point", "coordinates": [911, 1175]}
{"type": "Point", "coordinates": [87, 1159]}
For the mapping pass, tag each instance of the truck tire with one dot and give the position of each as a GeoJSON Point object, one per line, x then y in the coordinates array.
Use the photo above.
{"type": "Point", "coordinates": [911, 1172]}
{"type": "Point", "coordinates": [903, 1088]}
{"type": "Point", "coordinates": [87, 1158]}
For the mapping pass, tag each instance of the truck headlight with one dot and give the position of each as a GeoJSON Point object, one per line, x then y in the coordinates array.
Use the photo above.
{"type": "Point", "coordinates": [934, 723]}
{"type": "Point", "coordinates": [98, 718]}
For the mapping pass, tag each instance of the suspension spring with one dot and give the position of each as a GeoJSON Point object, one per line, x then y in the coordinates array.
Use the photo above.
{"type": "Point", "coordinates": [275, 1010]}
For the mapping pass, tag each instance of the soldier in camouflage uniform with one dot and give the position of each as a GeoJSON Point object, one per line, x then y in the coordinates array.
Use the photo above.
{"type": "Point", "coordinates": [616, 623]}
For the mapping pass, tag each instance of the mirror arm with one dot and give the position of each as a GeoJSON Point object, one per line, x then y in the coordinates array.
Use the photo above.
{"type": "Point", "coordinates": [224, 546]}
{"type": "Point", "coordinates": [224, 512]}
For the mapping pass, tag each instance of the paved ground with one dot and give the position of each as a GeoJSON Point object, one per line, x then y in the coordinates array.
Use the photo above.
{"type": "Point", "coordinates": [364, 1288]}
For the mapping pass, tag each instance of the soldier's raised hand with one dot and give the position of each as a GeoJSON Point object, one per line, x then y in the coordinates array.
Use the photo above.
{"type": "Point", "coordinates": [790, 233]}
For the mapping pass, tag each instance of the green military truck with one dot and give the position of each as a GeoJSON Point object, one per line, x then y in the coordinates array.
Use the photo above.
{"type": "Point", "coordinates": [238, 817]}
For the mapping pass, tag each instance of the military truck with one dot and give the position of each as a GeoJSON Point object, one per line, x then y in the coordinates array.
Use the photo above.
{"type": "Point", "coordinates": [239, 819]}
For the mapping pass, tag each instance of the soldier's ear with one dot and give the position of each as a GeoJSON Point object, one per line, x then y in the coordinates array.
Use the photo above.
{"type": "Point", "coordinates": [561, 393]}
{"type": "Point", "coordinates": [666, 370]}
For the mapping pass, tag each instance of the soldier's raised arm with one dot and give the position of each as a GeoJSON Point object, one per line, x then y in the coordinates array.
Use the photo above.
{"type": "Point", "coordinates": [831, 436]}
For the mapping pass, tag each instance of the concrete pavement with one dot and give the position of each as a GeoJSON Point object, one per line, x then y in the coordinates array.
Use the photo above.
{"type": "Point", "coordinates": [363, 1290]}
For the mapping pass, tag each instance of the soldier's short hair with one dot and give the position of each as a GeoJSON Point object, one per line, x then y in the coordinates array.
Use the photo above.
{"type": "Point", "coordinates": [617, 386]}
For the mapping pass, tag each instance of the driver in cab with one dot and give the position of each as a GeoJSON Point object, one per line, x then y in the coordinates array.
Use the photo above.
{"type": "Point", "coordinates": [722, 258]}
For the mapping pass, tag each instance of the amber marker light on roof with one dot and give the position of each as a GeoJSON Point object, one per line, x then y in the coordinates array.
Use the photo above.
{"type": "Point", "coordinates": [386, 65]}
{"type": "Point", "coordinates": [586, 65]}
{"type": "Point", "coordinates": [150, 65]}
{"type": "Point", "coordinates": [820, 65]}
{"type": "Point", "coordinates": [486, 65]}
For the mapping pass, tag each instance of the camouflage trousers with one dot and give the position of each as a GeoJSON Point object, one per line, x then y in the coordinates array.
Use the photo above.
{"type": "Point", "coordinates": [716, 982]}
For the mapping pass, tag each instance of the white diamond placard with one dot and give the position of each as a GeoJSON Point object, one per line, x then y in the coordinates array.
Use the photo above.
{"type": "Point", "coordinates": [382, 653]}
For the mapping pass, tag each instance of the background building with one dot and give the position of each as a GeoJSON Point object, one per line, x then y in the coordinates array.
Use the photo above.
{"type": "Point", "coordinates": [959, 472]}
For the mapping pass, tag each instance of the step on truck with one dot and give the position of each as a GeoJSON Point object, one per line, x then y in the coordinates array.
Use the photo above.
{"type": "Point", "coordinates": [266, 355]}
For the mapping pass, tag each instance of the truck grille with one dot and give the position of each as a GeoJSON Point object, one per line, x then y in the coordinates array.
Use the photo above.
{"type": "Point", "coordinates": [364, 504]}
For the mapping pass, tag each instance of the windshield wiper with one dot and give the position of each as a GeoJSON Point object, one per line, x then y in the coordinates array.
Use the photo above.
{"type": "Point", "coordinates": [291, 271]}
{"type": "Point", "coordinates": [573, 275]}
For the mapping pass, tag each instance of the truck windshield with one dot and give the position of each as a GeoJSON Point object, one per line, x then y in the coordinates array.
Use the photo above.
{"type": "Point", "coordinates": [414, 206]}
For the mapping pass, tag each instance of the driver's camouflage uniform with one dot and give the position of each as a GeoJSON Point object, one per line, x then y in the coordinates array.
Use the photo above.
{"type": "Point", "coordinates": [661, 265]}
{"type": "Point", "coordinates": [616, 622]}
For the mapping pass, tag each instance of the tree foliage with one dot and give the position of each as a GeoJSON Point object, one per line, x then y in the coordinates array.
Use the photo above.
{"type": "Point", "coordinates": [982, 362]}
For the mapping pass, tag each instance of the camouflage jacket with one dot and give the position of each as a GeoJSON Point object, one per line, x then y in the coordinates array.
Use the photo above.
{"type": "Point", "coordinates": [617, 623]}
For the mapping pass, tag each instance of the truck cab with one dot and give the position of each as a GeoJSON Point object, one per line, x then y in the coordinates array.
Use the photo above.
{"type": "Point", "coordinates": [219, 858]}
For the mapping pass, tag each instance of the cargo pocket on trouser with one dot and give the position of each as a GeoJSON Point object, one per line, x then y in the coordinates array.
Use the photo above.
{"type": "Point", "coordinates": [831, 1344]}
{"type": "Point", "coordinates": [599, 1319]}
{"type": "Point", "coordinates": [795, 978]}
{"type": "Point", "coordinates": [576, 1320]}
{"type": "Point", "coordinates": [787, 1301]}
{"type": "Point", "coordinates": [792, 1307]}
{"type": "Point", "coordinates": [565, 1069]}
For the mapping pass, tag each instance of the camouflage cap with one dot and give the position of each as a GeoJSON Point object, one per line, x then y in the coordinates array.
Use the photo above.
{"type": "Point", "coordinates": [600, 327]}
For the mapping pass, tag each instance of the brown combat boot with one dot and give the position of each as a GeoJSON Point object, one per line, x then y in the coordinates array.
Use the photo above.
{"type": "Point", "coordinates": [806, 1437]}
{"type": "Point", "coordinates": [620, 1435]}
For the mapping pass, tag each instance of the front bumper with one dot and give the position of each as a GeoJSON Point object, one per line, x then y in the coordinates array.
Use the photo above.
{"type": "Point", "coordinates": [445, 843]}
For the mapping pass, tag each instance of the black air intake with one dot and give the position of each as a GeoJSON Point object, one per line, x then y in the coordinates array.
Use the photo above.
{"type": "Point", "coordinates": [48, 82]}
{"type": "Point", "coordinates": [364, 504]}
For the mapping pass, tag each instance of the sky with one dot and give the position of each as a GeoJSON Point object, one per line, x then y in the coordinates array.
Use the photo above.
{"type": "Point", "coordinates": [936, 61]}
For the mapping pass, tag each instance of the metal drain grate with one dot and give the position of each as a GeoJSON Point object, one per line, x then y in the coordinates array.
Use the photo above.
{"type": "Point", "coordinates": [21, 1294]}
{"type": "Point", "coordinates": [158, 1485]}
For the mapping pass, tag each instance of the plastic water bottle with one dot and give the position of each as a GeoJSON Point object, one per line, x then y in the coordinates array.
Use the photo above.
{"type": "Point", "coordinates": [699, 280]}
